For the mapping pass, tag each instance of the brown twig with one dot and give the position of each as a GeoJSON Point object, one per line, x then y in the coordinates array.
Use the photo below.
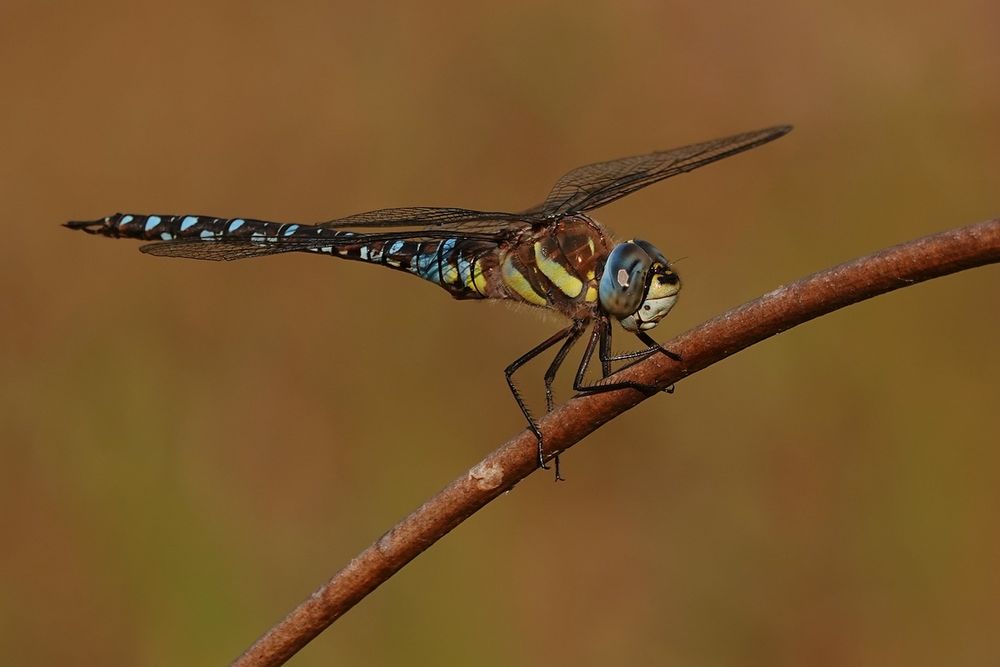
{"type": "Point", "coordinates": [777, 311]}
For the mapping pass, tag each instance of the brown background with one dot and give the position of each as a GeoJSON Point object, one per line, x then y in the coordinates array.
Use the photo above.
{"type": "Point", "coordinates": [189, 448]}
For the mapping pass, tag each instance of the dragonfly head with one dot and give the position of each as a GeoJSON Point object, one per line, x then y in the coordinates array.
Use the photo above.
{"type": "Point", "coordinates": [638, 286]}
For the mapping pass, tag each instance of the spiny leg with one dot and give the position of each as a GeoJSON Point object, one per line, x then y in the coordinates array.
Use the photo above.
{"type": "Point", "coordinates": [654, 346]}
{"type": "Point", "coordinates": [522, 360]}
{"type": "Point", "coordinates": [588, 354]}
{"type": "Point", "coordinates": [576, 330]}
{"type": "Point", "coordinates": [605, 349]}
{"type": "Point", "coordinates": [550, 375]}
{"type": "Point", "coordinates": [601, 337]}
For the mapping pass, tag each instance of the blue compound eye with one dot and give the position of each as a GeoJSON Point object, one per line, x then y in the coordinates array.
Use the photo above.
{"type": "Point", "coordinates": [623, 284]}
{"type": "Point", "coordinates": [653, 252]}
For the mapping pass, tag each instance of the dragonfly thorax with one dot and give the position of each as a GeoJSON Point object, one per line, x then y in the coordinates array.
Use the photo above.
{"type": "Point", "coordinates": [638, 286]}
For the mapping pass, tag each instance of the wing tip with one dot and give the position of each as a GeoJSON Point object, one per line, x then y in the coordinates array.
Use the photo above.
{"type": "Point", "coordinates": [172, 248]}
{"type": "Point", "coordinates": [773, 132]}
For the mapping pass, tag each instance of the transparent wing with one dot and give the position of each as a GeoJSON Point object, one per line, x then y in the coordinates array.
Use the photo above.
{"type": "Point", "coordinates": [581, 189]}
{"type": "Point", "coordinates": [226, 249]}
{"type": "Point", "coordinates": [594, 185]}
{"type": "Point", "coordinates": [221, 250]}
{"type": "Point", "coordinates": [428, 217]}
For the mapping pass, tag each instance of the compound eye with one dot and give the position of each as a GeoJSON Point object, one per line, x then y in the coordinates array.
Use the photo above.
{"type": "Point", "coordinates": [653, 252]}
{"type": "Point", "coordinates": [623, 284]}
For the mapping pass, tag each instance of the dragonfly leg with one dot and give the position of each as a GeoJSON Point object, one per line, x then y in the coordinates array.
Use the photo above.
{"type": "Point", "coordinates": [601, 338]}
{"type": "Point", "coordinates": [525, 358]}
{"type": "Point", "coordinates": [576, 330]}
{"type": "Point", "coordinates": [654, 346]}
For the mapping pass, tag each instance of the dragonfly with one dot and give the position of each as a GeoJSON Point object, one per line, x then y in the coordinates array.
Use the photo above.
{"type": "Point", "coordinates": [552, 256]}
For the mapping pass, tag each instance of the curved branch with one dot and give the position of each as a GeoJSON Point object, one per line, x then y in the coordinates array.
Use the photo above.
{"type": "Point", "coordinates": [777, 311]}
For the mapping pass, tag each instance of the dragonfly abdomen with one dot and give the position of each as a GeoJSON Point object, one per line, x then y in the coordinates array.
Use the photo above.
{"type": "Point", "coordinates": [461, 266]}
{"type": "Point", "coordinates": [174, 227]}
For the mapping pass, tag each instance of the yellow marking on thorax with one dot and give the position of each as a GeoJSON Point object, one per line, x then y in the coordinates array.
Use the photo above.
{"type": "Point", "coordinates": [591, 280]}
{"type": "Point", "coordinates": [478, 279]}
{"type": "Point", "coordinates": [570, 285]}
{"type": "Point", "coordinates": [517, 282]}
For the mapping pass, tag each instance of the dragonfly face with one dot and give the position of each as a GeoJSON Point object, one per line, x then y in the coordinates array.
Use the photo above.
{"type": "Point", "coordinates": [550, 256]}
{"type": "Point", "coordinates": [638, 286]}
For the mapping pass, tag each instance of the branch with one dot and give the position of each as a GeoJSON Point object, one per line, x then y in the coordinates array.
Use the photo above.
{"type": "Point", "coordinates": [777, 311]}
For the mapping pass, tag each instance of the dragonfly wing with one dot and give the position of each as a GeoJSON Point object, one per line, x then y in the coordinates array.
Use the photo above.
{"type": "Point", "coordinates": [594, 185]}
{"type": "Point", "coordinates": [226, 249]}
{"type": "Point", "coordinates": [429, 217]}
{"type": "Point", "coordinates": [216, 250]}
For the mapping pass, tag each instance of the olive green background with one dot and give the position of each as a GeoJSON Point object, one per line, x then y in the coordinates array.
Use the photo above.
{"type": "Point", "coordinates": [189, 448]}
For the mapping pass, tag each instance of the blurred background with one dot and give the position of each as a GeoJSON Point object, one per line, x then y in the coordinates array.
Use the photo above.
{"type": "Point", "coordinates": [190, 448]}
